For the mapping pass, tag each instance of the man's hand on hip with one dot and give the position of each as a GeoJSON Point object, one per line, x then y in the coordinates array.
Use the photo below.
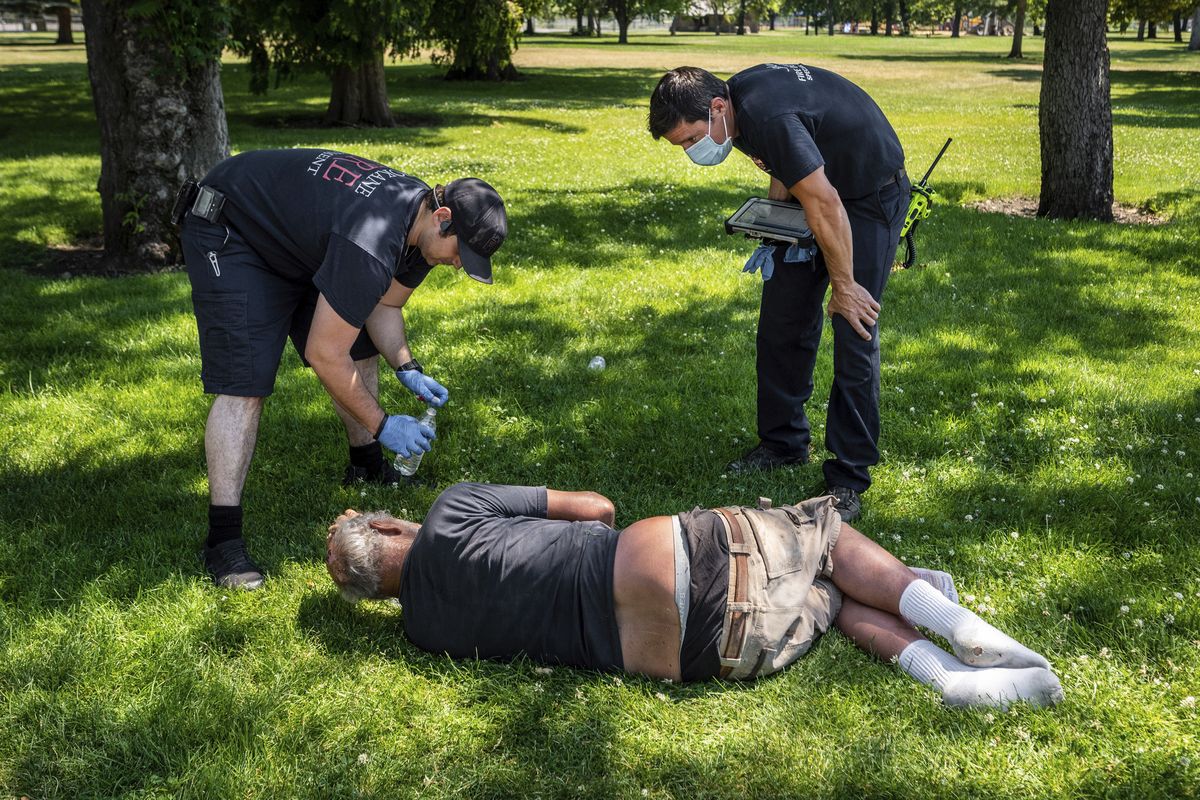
{"type": "Point", "coordinates": [424, 387]}
{"type": "Point", "coordinates": [856, 305]}
{"type": "Point", "coordinates": [405, 436]}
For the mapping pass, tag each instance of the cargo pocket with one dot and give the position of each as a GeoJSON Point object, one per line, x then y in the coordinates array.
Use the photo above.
{"type": "Point", "coordinates": [226, 362]}
{"type": "Point", "coordinates": [779, 542]}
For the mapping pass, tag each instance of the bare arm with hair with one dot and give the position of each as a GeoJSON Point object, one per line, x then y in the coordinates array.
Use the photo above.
{"type": "Point", "coordinates": [831, 227]}
{"type": "Point", "coordinates": [579, 507]}
{"type": "Point", "coordinates": [386, 325]}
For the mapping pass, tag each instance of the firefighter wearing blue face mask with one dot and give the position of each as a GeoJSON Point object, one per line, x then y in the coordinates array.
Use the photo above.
{"type": "Point", "coordinates": [827, 145]}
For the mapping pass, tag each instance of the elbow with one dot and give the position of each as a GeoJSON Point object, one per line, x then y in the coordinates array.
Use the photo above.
{"type": "Point", "coordinates": [602, 509]}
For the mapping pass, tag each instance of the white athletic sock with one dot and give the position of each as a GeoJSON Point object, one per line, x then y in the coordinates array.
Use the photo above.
{"type": "Point", "coordinates": [961, 685]}
{"type": "Point", "coordinates": [942, 581]}
{"type": "Point", "coordinates": [975, 642]}
{"type": "Point", "coordinates": [928, 663]}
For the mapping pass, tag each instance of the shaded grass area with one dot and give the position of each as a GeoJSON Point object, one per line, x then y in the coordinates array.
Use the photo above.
{"type": "Point", "coordinates": [1041, 400]}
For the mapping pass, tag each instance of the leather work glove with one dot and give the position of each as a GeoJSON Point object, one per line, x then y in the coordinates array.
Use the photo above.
{"type": "Point", "coordinates": [405, 436]}
{"type": "Point", "coordinates": [763, 258]}
{"type": "Point", "coordinates": [424, 387]}
{"type": "Point", "coordinates": [798, 253]}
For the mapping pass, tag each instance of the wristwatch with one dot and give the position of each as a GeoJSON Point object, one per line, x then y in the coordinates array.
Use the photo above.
{"type": "Point", "coordinates": [409, 366]}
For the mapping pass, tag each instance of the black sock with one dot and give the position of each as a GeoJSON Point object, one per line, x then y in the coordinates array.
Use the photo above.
{"type": "Point", "coordinates": [224, 523]}
{"type": "Point", "coordinates": [368, 457]}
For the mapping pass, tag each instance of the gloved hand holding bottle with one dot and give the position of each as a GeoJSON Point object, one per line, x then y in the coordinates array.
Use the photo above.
{"type": "Point", "coordinates": [404, 435]}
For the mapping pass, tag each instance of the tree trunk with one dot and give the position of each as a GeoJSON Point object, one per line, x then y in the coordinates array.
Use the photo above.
{"type": "Point", "coordinates": [579, 20]}
{"type": "Point", "coordinates": [358, 95]}
{"type": "Point", "coordinates": [623, 29]}
{"type": "Point", "coordinates": [1075, 113]}
{"type": "Point", "coordinates": [874, 19]}
{"type": "Point", "coordinates": [1018, 30]}
{"type": "Point", "coordinates": [161, 120]}
{"type": "Point", "coordinates": [1153, 32]}
{"type": "Point", "coordinates": [66, 36]}
{"type": "Point", "coordinates": [905, 19]}
{"type": "Point", "coordinates": [1194, 41]}
{"type": "Point", "coordinates": [741, 26]}
{"type": "Point", "coordinates": [1037, 30]}
{"type": "Point", "coordinates": [1141, 36]}
{"type": "Point", "coordinates": [958, 12]}
{"type": "Point", "coordinates": [529, 26]}
{"type": "Point", "coordinates": [773, 14]}
{"type": "Point", "coordinates": [889, 13]}
{"type": "Point", "coordinates": [829, 22]}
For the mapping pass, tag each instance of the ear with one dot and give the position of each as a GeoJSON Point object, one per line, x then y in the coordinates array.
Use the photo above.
{"type": "Point", "coordinates": [441, 217]}
{"type": "Point", "coordinates": [389, 527]}
{"type": "Point", "coordinates": [718, 104]}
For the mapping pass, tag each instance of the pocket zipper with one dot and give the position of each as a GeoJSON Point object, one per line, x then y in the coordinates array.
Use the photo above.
{"type": "Point", "coordinates": [212, 259]}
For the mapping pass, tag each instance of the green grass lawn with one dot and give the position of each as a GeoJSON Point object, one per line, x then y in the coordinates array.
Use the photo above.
{"type": "Point", "coordinates": [1041, 408]}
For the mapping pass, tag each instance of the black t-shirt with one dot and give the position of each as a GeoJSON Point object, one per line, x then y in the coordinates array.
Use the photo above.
{"type": "Point", "coordinates": [795, 118]}
{"type": "Point", "coordinates": [488, 576]}
{"type": "Point", "coordinates": [334, 219]}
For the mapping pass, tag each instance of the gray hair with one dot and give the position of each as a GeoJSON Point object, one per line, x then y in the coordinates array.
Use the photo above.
{"type": "Point", "coordinates": [357, 554]}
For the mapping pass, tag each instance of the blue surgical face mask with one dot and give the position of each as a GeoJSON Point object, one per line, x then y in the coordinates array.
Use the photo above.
{"type": "Point", "coordinates": [706, 152]}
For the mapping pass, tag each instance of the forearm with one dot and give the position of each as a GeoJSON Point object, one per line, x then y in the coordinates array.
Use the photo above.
{"type": "Point", "coordinates": [777, 191]}
{"type": "Point", "coordinates": [831, 229]}
{"type": "Point", "coordinates": [579, 507]}
{"type": "Point", "coordinates": [341, 379]}
{"type": "Point", "coordinates": [386, 328]}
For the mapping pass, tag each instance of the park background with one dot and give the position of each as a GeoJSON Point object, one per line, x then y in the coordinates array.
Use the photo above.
{"type": "Point", "coordinates": [1040, 416]}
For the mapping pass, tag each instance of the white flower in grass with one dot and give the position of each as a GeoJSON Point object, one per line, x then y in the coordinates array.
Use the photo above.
{"type": "Point", "coordinates": [1015, 535]}
{"type": "Point", "coordinates": [543, 670]}
{"type": "Point", "coordinates": [969, 517]}
{"type": "Point", "coordinates": [1179, 595]}
{"type": "Point", "coordinates": [1188, 702]}
{"type": "Point", "coordinates": [1105, 652]}
{"type": "Point", "coordinates": [1159, 486]}
{"type": "Point", "coordinates": [1124, 609]}
{"type": "Point", "coordinates": [363, 758]}
{"type": "Point", "coordinates": [1137, 623]}
{"type": "Point", "coordinates": [1129, 480]}
{"type": "Point", "coordinates": [1169, 619]}
{"type": "Point", "coordinates": [662, 696]}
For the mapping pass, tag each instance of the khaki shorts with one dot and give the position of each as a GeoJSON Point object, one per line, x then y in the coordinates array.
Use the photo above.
{"type": "Point", "coordinates": [781, 598]}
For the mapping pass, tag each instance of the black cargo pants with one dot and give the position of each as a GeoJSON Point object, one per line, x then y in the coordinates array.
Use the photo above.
{"type": "Point", "coordinates": [789, 331]}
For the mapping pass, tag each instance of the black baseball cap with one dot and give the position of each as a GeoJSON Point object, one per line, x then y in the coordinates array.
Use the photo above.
{"type": "Point", "coordinates": [480, 222]}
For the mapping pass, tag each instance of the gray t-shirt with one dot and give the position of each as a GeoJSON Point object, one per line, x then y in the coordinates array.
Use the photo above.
{"type": "Point", "coordinates": [488, 576]}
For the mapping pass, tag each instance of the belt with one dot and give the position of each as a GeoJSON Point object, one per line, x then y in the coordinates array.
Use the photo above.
{"type": "Point", "coordinates": [733, 633]}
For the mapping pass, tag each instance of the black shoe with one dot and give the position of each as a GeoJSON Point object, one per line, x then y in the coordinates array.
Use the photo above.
{"type": "Point", "coordinates": [849, 504]}
{"type": "Point", "coordinates": [386, 477]}
{"type": "Point", "coordinates": [230, 566]}
{"type": "Point", "coordinates": [762, 457]}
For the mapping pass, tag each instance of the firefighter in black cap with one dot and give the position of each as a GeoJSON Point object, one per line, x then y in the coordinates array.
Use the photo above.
{"type": "Point", "coordinates": [324, 247]}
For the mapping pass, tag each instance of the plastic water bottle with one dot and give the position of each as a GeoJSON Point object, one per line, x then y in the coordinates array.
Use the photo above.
{"type": "Point", "coordinates": [597, 363]}
{"type": "Point", "coordinates": [407, 465]}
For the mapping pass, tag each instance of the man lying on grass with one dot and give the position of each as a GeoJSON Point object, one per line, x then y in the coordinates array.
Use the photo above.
{"type": "Point", "coordinates": [499, 571]}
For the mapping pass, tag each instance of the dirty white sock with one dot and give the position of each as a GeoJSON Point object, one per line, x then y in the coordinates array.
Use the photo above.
{"type": "Point", "coordinates": [942, 581]}
{"type": "Point", "coordinates": [998, 687]}
{"type": "Point", "coordinates": [975, 642]}
{"type": "Point", "coordinates": [961, 685]}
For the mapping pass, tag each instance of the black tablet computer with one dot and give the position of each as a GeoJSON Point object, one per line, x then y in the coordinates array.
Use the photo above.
{"type": "Point", "coordinates": [760, 218]}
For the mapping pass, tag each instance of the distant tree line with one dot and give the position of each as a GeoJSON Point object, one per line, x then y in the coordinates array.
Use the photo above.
{"type": "Point", "coordinates": [154, 66]}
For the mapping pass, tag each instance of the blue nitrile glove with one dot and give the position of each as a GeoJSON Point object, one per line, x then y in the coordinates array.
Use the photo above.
{"type": "Point", "coordinates": [424, 387]}
{"type": "Point", "coordinates": [763, 258]}
{"type": "Point", "coordinates": [404, 436]}
{"type": "Point", "coordinates": [798, 253]}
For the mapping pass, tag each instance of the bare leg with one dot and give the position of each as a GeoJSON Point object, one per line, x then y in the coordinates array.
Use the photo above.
{"type": "Point", "coordinates": [879, 633]}
{"type": "Point", "coordinates": [889, 638]}
{"type": "Point", "coordinates": [866, 572]}
{"type": "Point", "coordinates": [356, 434]}
{"type": "Point", "coordinates": [229, 438]}
{"type": "Point", "coordinates": [869, 574]}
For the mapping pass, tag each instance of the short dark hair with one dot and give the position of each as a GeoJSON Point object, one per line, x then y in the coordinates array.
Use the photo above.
{"type": "Point", "coordinates": [683, 95]}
